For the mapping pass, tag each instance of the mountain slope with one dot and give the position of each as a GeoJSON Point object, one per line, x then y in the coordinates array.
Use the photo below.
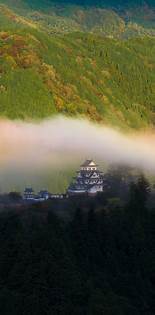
{"type": "Point", "coordinates": [107, 18]}
{"type": "Point", "coordinates": [76, 74]}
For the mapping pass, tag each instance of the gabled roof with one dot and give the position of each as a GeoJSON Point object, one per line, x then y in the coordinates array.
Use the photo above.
{"type": "Point", "coordinates": [88, 163]}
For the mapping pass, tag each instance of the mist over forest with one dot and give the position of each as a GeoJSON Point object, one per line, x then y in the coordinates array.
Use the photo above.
{"type": "Point", "coordinates": [77, 157]}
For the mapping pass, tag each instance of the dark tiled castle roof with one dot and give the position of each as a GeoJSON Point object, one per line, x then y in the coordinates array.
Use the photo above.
{"type": "Point", "coordinates": [28, 190]}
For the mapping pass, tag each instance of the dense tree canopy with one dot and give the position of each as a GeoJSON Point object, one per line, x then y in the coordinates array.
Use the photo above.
{"type": "Point", "coordinates": [98, 262]}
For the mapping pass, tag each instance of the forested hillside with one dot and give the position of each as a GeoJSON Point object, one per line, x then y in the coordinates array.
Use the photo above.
{"type": "Point", "coordinates": [101, 261]}
{"type": "Point", "coordinates": [79, 73]}
{"type": "Point", "coordinates": [108, 18]}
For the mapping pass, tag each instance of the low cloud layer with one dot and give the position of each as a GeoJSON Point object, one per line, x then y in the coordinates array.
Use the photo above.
{"type": "Point", "coordinates": [59, 142]}
{"type": "Point", "coordinates": [61, 139]}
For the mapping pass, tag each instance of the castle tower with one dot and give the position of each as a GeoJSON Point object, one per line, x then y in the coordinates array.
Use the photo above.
{"type": "Point", "coordinates": [88, 180]}
{"type": "Point", "coordinates": [28, 193]}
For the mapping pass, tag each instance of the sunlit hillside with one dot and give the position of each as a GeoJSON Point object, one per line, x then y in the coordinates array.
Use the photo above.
{"type": "Point", "coordinates": [104, 79]}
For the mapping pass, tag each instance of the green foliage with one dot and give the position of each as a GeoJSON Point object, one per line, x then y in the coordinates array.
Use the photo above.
{"type": "Point", "coordinates": [39, 75]}
{"type": "Point", "coordinates": [39, 71]}
{"type": "Point", "coordinates": [17, 102]}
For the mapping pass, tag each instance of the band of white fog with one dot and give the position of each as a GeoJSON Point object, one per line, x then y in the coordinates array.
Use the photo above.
{"type": "Point", "coordinates": [60, 140]}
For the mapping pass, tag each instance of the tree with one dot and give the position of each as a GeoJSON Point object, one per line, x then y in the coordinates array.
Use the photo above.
{"type": "Point", "coordinates": [15, 196]}
{"type": "Point", "coordinates": [139, 193]}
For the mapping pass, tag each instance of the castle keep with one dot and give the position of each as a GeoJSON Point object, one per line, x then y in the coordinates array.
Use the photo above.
{"type": "Point", "coordinates": [88, 180]}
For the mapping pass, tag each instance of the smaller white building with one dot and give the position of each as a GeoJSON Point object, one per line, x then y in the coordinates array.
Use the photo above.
{"type": "Point", "coordinates": [44, 194]}
{"type": "Point", "coordinates": [56, 196]}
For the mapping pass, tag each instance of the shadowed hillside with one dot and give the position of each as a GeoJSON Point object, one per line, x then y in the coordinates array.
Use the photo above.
{"type": "Point", "coordinates": [118, 19]}
{"type": "Point", "coordinates": [92, 262]}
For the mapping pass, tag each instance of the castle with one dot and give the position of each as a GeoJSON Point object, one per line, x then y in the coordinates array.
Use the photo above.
{"type": "Point", "coordinates": [88, 180]}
